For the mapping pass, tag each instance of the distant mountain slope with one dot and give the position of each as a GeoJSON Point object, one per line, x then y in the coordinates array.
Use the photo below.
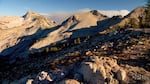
{"type": "Point", "coordinates": [81, 21]}
{"type": "Point", "coordinates": [17, 37]}
{"type": "Point", "coordinates": [133, 19]}
{"type": "Point", "coordinates": [39, 19]}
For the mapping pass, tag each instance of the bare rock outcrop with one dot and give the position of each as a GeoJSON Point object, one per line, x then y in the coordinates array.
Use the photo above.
{"type": "Point", "coordinates": [102, 70]}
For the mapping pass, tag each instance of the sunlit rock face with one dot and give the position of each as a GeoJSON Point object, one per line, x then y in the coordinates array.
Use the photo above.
{"type": "Point", "coordinates": [8, 22]}
{"type": "Point", "coordinates": [102, 70]}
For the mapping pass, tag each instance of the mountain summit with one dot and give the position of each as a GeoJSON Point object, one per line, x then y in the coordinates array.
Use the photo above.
{"type": "Point", "coordinates": [30, 14]}
{"type": "Point", "coordinates": [96, 13]}
{"type": "Point", "coordinates": [84, 20]}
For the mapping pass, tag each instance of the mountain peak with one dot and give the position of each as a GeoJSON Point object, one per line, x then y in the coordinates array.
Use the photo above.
{"type": "Point", "coordinates": [74, 18]}
{"type": "Point", "coordinates": [38, 19]}
{"type": "Point", "coordinates": [97, 13]}
{"type": "Point", "coordinates": [139, 11]}
{"type": "Point", "coordinates": [30, 13]}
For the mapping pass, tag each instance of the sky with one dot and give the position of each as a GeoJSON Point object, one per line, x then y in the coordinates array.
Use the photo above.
{"type": "Point", "coordinates": [20, 7]}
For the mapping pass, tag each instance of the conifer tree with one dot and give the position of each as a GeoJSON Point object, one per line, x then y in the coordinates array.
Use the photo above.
{"type": "Point", "coordinates": [147, 19]}
{"type": "Point", "coordinates": [148, 4]}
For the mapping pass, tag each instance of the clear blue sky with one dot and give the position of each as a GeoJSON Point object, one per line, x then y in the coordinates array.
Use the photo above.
{"type": "Point", "coordinates": [19, 7]}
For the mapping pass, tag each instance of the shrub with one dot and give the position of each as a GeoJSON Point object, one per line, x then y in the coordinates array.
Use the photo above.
{"type": "Point", "coordinates": [55, 49]}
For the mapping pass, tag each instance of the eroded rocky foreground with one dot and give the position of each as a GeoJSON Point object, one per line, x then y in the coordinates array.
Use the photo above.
{"type": "Point", "coordinates": [95, 70]}
{"type": "Point", "coordinates": [123, 58]}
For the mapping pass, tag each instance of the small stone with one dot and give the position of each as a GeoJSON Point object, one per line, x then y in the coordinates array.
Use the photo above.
{"type": "Point", "coordinates": [140, 42]}
{"type": "Point", "coordinates": [29, 81]}
{"type": "Point", "coordinates": [88, 53]}
{"type": "Point", "coordinates": [78, 77]}
{"type": "Point", "coordinates": [121, 75]}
